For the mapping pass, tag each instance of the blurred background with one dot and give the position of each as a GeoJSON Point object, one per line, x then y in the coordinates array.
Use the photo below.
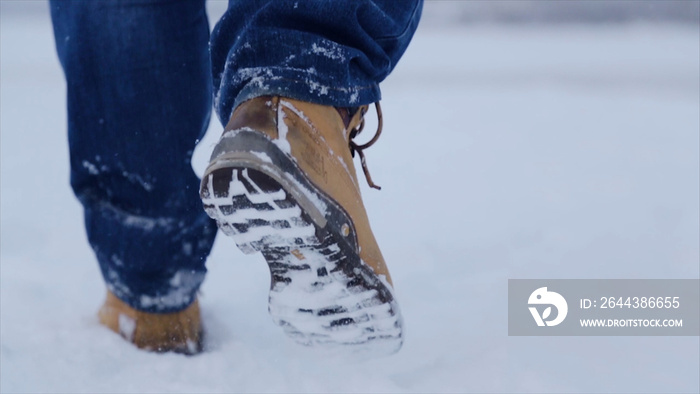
{"type": "Point", "coordinates": [455, 12]}
{"type": "Point", "coordinates": [440, 12]}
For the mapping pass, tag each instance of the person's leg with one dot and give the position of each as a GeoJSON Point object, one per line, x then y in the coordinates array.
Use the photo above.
{"type": "Point", "coordinates": [282, 179]}
{"type": "Point", "coordinates": [322, 51]}
{"type": "Point", "coordinates": [139, 98]}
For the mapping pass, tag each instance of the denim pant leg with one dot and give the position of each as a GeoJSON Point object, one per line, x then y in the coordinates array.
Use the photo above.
{"type": "Point", "coordinates": [329, 52]}
{"type": "Point", "coordinates": [139, 97]}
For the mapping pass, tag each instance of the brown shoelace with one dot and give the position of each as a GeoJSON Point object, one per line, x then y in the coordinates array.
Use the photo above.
{"type": "Point", "coordinates": [355, 147]}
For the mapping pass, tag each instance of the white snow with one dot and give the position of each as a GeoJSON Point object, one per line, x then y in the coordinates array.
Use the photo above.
{"type": "Point", "coordinates": [255, 75]}
{"type": "Point", "coordinates": [317, 87]}
{"type": "Point", "coordinates": [297, 111]}
{"type": "Point", "coordinates": [237, 188]}
{"type": "Point", "coordinates": [92, 169]}
{"type": "Point", "coordinates": [143, 222]}
{"type": "Point", "coordinates": [531, 152]}
{"type": "Point", "coordinates": [127, 326]}
{"type": "Point", "coordinates": [282, 129]}
{"type": "Point", "coordinates": [262, 156]}
{"type": "Point", "coordinates": [317, 202]}
{"type": "Point", "coordinates": [363, 307]}
{"type": "Point", "coordinates": [135, 178]}
{"type": "Point", "coordinates": [332, 51]}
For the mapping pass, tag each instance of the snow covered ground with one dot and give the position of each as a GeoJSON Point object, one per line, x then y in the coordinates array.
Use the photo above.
{"type": "Point", "coordinates": [530, 152]}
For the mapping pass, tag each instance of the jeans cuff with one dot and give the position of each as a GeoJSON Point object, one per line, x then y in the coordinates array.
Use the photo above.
{"type": "Point", "coordinates": [304, 86]}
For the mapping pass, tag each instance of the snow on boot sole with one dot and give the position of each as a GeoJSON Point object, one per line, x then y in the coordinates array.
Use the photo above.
{"type": "Point", "coordinates": [321, 294]}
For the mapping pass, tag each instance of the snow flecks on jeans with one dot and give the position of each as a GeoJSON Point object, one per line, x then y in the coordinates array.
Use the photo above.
{"type": "Point", "coordinates": [257, 76]}
{"type": "Point", "coordinates": [91, 168]}
{"type": "Point", "coordinates": [178, 295]}
{"type": "Point", "coordinates": [146, 223]}
{"type": "Point", "coordinates": [203, 243]}
{"type": "Point", "coordinates": [320, 89]}
{"type": "Point", "coordinates": [164, 282]}
{"type": "Point", "coordinates": [315, 87]}
{"type": "Point", "coordinates": [290, 78]}
{"type": "Point", "coordinates": [217, 93]}
{"type": "Point", "coordinates": [117, 260]}
{"type": "Point", "coordinates": [330, 50]}
{"type": "Point", "coordinates": [137, 179]}
{"type": "Point", "coordinates": [127, 219]}
{"type": "Point", "coordinates": [116, 285]}
{"type": "Point", "coordinates": [97, 168]}
{"type": "Point", "coordinates": [187, 249]}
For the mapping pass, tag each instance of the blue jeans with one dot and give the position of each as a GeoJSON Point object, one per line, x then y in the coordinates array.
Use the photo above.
{"type": "Point", "coordinates": [141, 76]}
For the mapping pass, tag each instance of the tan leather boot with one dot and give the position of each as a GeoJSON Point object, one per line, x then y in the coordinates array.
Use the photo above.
{"type": "Point", "coordinates": [180, 332]}
{"type": "Point", "coordinates": [282, 181]}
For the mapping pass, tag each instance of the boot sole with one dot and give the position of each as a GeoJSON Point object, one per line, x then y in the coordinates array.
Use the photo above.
{"type": "Point", "coordinates": [321, 293]}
